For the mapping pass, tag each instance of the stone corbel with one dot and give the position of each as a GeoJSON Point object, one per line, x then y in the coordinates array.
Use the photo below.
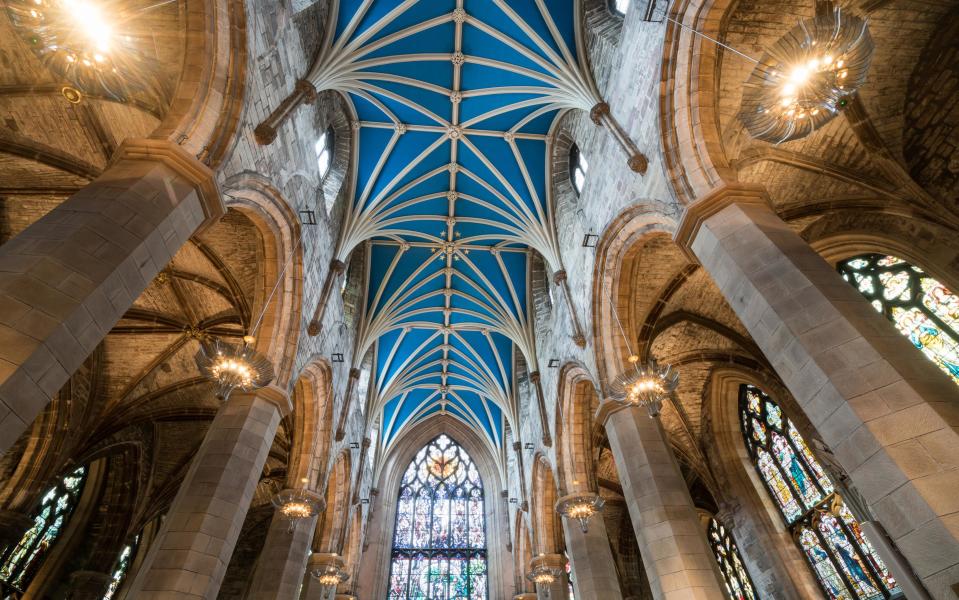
{"type": "Point", "coordinates": [635, 159]}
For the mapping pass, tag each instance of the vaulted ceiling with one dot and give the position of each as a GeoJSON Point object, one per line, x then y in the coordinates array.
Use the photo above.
{"type": "Point", "coordinates": [454, 101]}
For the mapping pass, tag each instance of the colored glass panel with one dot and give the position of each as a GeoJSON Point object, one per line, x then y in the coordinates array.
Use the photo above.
{"type": "Point", "coordinates": [846, 565]}
{"type": "Point", "coordinates": [21, 562]}
{"type": "Point", "coordinates": [121, 568]}
{"type": "Point", "coordinates": [921, 307]}
{"type": "Point", "coordinates": [439, 543]}
{"type": "Point", "coordinates": [738, 584]}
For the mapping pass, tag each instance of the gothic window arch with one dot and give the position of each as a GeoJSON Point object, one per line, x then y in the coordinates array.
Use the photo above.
{"type": "Point", "coordinates": [439, 541]}
{"type": "Point", "coordinates": [842, 559]}
{"type": "Point", "coordinates": [739, 586]}
{"type": "Point", "coordinates": [19, 563]}
{"type": "Point", "coordinates": [920, 307]}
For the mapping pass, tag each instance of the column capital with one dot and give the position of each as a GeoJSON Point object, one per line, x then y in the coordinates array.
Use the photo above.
{"type": "Point", "coordinates": [556, 561]}
{"type": "Point", "coordinates": [337, 266]}
{"type": "Point", "coordinates": [517, 446]}
{"type": "Point", "coordinates": [559, 276]}
{"type": "Point", "coordinates": [274, 395]}
{"type": "Point", "coordinates": [599, 109]}
{"type": "Point", "coordinates": [174, 157]}
{"type": "Point", "coordinates": [321, 560]}
{"type": "Point", "coordinates": [306, 87]}
{"type": "Point", "coordinates": [534, 377]}
{"type": "Point", "coordinates": [712, 203]}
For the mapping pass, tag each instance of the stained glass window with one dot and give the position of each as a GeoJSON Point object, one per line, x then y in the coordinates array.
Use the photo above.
{"type": "Point", "coordinates": [19, 563]}
{"type": "Point", "coordinates": [919, 306]}
{"type": "Point", "coordinates": [844, 562]}
{"type": "Point", "coordinates": [121, 568]}
{"type": "Point", "coordinates": [738, 584]}
{"type": "Point", "coordinates": [439, 544]}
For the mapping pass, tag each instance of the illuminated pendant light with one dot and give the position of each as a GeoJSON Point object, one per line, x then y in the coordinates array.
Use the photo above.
{"type": "Point", "coordinates": [646, 385]}
{"type": "Point", "coordinates": [543, 576]}
{"type": "Point", "coordinates": [80, 41]}
{"type": "Point", "coordinates": [297, 504]}
{"type": "Point", "coordinates": [803, 80]}
{"type": "Point", "coordinates": [580, 507]}
{"type": "Point", "coordinates": [232, 367]}
{"type": "Point", "coordinates": [329, 577]}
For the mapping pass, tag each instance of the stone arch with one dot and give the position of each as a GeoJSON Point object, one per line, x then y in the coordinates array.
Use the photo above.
{"type": "Point", "coordinates": [331, 526]}
{"type": "Point", "coordinates": [205, 113]}
{"type": "Point", "coordinates": [312, 426]}
{"type": "Point", "coordinates": [577, 404]}
{"type": "Point", "coordinates": [375, 562]}
{"type": "Point", "coordinates": [547, 529]}
{"type": "Point", "coordinates": [775, 564]}
{"type": "Point", "coordinates": [619, 248]}
{"type": "Point", "coordinates": [279, 330]}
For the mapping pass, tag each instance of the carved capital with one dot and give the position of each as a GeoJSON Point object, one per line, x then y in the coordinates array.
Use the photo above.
{"type": "Point", "coordinates": [559, 276]}
{"type": "Point", "coordinates": [277, 397]}
{"type": "Point", "coordinates": [638, 163]}
{"type": "Point", "coordinates": [314, 328]}
{"type": "Point", "coordinates": [713, 203]}
{"type": "Point", "coordinates": [354, 373]}
{"type": "Point", "coordinates": [534, 377]}
{"type": "Point", "coordinates": [337, 266]}
{"type": "Point", "coordinates": [598, 111]}
{"type": "Point", "coordinates": [306, 87]}
{"type": "Point", "coordinates": [517, 446]}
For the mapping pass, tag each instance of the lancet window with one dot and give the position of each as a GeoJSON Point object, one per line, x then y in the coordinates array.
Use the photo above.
{"type": "Point", "coordinates": [121, 568]}
{"type": "Point", "coordinates": [738, 584]}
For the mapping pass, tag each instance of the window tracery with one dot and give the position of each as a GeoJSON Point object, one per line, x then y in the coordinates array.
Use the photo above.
{"type": "Point", "coordinates": [439, 542]}
{"type": "Point", "coordinates": [21, 562]}
{"type": "Point", "coordinates": [920, 307]}
{"type": "Point", "coordinates": [843, 560]}
{"type": "Point", "coordinates": [739, 586]}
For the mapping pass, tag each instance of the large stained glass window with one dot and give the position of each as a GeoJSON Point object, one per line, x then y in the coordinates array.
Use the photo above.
{"type": "Point", "coordinates": [738, 584]}
{"type": "Point", "coordinates": [921, 308]}
{"type": "Point", "coordinates": [19, 563]}
{"type": "Point", "coordinates": [842, 559]}
{"type": "Point", "coordinates": [439, 545]}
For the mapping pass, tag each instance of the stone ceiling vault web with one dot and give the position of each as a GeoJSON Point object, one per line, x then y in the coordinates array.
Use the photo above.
{"type": "Point", "coordinates": [453, 103]}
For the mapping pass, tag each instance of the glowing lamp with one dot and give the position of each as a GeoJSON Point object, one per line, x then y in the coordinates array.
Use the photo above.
{"type": "Point", "coordinates": [645, 385]}
{"type": "Point", "coordinates": [580, 508]}
{"type": "Point", "coordinates": [232, 367]}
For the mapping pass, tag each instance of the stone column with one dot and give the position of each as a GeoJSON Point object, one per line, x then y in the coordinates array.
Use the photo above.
{"type": "Point", "coordinates": [537, 382]}
{"type": "Point", "coordinates": [312, 590]}
{"type": "Point", "coordinates": [591, 560]}
{"type": "Point", "coordinates": [67, 279]}
{"type": "Point", "coordinates": [193, 548]}
{"type": "Point", "coordinates": [671, 541]}
{"type": "Point", "coordinates": [347, 401]}
{"type": "Point", "coordinates": [282, 563]}
{"type": "Point", "coordinates": [561, 280]}
{"type": "Point", "coordinates": [337, 267]}
{"type": "Point", "coordinates": [559, 589]}
{"type": "Point", "coordinates": [88, 585]}
{"type": "Point", "coordinates": [886, 412]}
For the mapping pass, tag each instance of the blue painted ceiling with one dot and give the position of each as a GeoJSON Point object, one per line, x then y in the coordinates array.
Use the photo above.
{"type": "Point", "coordinates": [454, 101]}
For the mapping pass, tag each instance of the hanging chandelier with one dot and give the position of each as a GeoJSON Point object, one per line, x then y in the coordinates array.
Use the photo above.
{"type": "Point", "coordinates": [297, 504]}
{"type": "Point", "coordinates": [805, 78]}
{"type": "Point", "coordinates": [580, 507]}
{"type": "Point", "coordinates": [85, 43]}
{"type": "Point", "coordinates": [231, 366]}
{"type": "Point", "coordinates": [543, 576]}
{"type": "Point", "coordinates": [329, 577]}
{"type": "Point", "coordinates": [646, 385]}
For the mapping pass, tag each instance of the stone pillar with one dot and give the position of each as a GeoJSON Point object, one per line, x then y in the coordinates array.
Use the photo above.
{"type": "Point", "coordinates": [886, 412]}
{"type": "Point", "coordinates": [67, 279]}
{"type": "Point", "coordinates": [282, 563]}
{"type": "Point", "coordinates": [591, 560]}
{"type": "Point", "coordinates": [559, 589]}
{"type": "Point", "coordinates": [671, 541]}
{"type": "Point", "coordinates": [193, 548]}
{"type": "Point", "coordinates": [304, 92]}
{"type": "Point", "coordinates": [312, 590]}
{"type": "Point", "coordinates": [88, 585]}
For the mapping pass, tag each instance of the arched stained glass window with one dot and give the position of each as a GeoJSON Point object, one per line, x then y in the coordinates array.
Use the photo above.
{"type": "Point", "coordinates": [845, 563]}
{"type": "Point", "coordinates": [439, 544]}
{"type": "Point", "coordinates": [921, 308]}
{"type": "Point", "coordinates": [21, 562]}
{"type": "Point", "coordinates": [738, 584]}
{"type": "Point", "coordinates": [121, 568]}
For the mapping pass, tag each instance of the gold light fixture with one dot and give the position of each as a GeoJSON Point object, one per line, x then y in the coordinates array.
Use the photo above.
{"type": "Point", "coordinates": [84, 42]}
{"type": "Point", "coordinates": [543, 576]}
{"type": "Point", "coordinates": [805, 78]}
{"type": "Point", "coordinates": [580, 508]}
{"type": "Point", "coordinates": [645, 385]}
{"type": "Point", "coordinates": [329, 578]}
{"type": "Point", "coordinates": [232, 367]}
{"type": "Point", "coordinates": [297, 504]}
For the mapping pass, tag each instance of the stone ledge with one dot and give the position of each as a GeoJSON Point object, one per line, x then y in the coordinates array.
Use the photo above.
{"type": "Point", "coordinates": [184, 164]}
